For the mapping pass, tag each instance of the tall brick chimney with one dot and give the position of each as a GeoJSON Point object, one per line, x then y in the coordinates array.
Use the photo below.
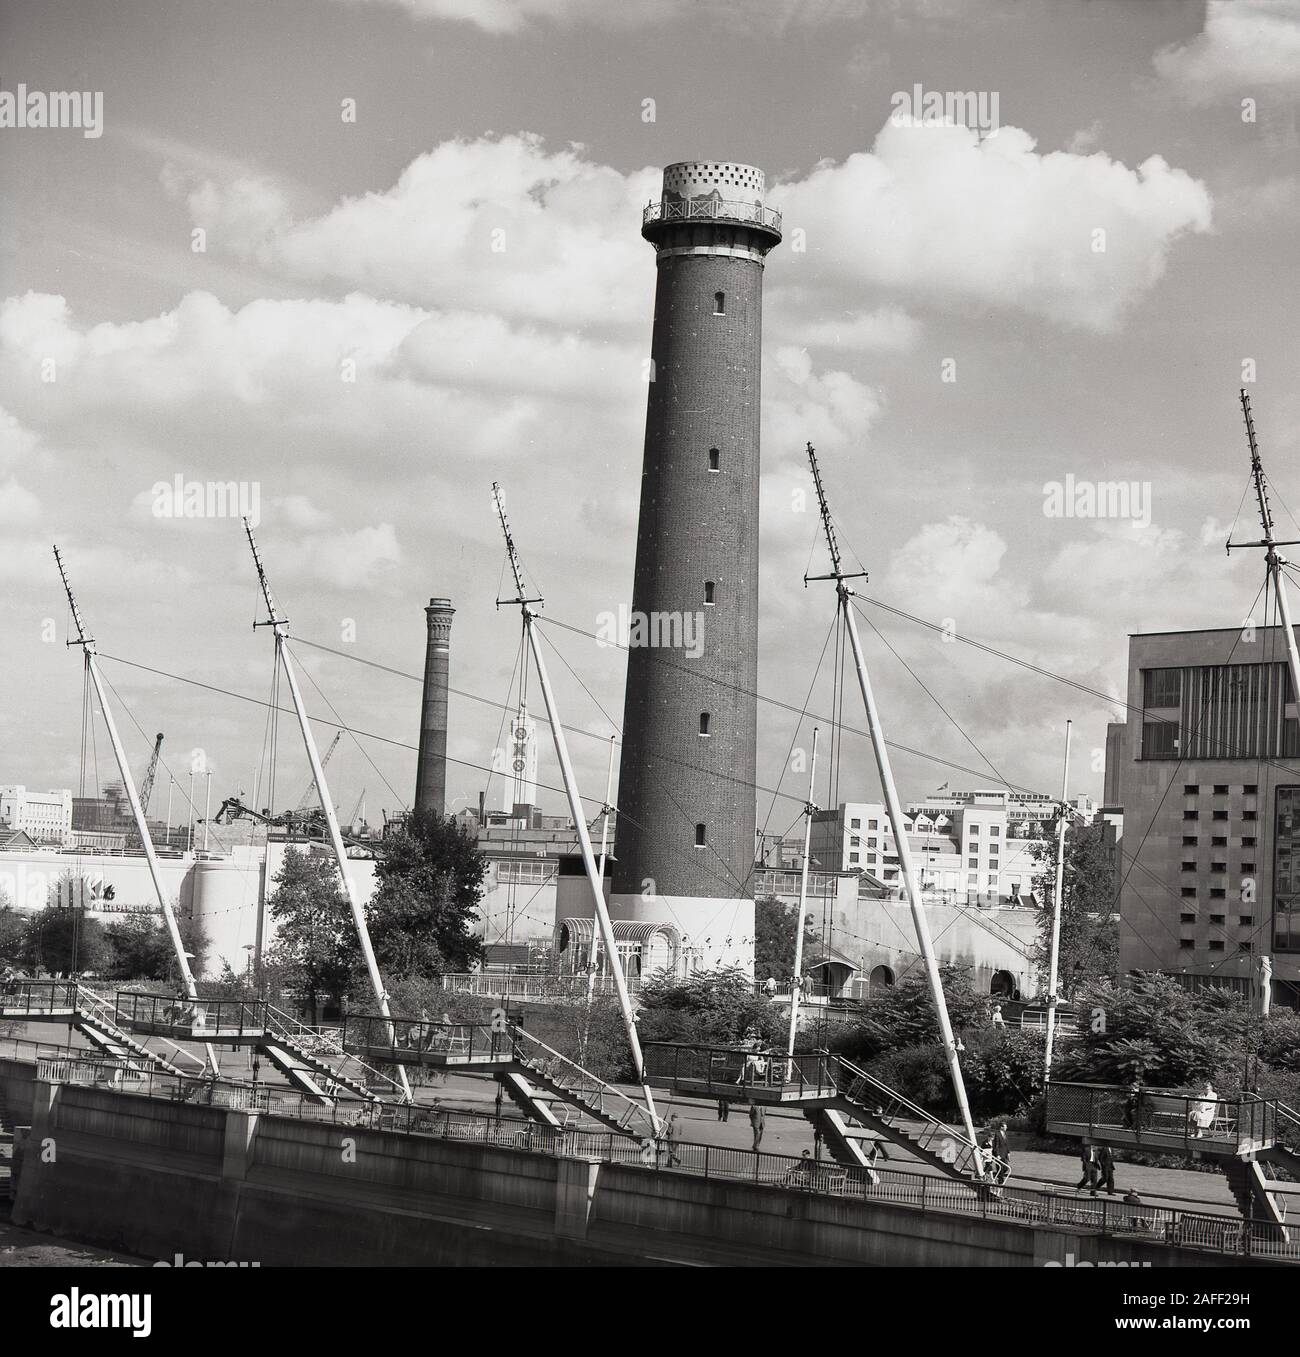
{"type": "Point", "coordinates": [431, 773]}
{"type": "Point", "coordinates": [686, 799]}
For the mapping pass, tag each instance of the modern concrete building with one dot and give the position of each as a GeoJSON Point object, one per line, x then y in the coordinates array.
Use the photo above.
{"type": "Point", "coordinates": [45, 817]}
{"type": "Point", "coordinates": [686, 785]}
{"type": "Point", "coordinates": [431, 769]}
{"type": "Point", "coordinates": [972, 850]}
{"type": "Point", "coordinates": [1208, 781]}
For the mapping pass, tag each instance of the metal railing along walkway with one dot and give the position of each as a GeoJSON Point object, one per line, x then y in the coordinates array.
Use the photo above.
{"type": "Point", "coordinates": [925, 1193]}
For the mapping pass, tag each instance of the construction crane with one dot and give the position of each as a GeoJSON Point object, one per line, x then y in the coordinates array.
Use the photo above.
{"type": "Point", "coordinates": [146, 787]}
{"type": "Point", "coordinates": [310, 790]}
{"type": "Point", "coordinates": [358, 810]}
{"type": "Point", "coordinates": [311, 825]}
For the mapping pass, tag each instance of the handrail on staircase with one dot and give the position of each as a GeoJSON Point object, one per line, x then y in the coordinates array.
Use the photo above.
{"type": "Point", "coordinates": [987, 1163]}
{"type": "Point", "coordinates": [893, 1096]}
{"type": "Point", "coordinates": [518, 1031]}
{"type": "Point", "coordinates": [288, 1028]}
{"type": "Point", "coordinates": [106, 1014]}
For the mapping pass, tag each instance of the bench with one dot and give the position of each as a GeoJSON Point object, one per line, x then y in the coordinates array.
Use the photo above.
{"type": "Point", "coordinates": [816, 1177]}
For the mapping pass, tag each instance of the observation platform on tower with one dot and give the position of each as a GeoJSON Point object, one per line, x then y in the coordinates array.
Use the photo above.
{"type": "Point", "coordinates": [710, 194]}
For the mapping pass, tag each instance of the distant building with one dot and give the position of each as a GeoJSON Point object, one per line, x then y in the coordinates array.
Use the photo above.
{"type": "Point", "coordinates": [1208, 782]}
{"type": "Point", "coordinates": [975, 845]}
{"type": "Point", "coordinates": [519, 762]}
{"type": "Point", "coordinates": [524, 849]}
{"type": "Point", "coordinates": [865, 941]}
{"type": "Point", "coordinates": [46, 817]}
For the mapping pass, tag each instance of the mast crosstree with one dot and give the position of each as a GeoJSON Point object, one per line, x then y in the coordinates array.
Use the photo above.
{"type": "Point", "coordinates": [280, 628]}
{"type": "Point", "coordinates": [892, 804]}
{"type": "Point", "coordinates": [606, 928]}
{"type": "Point", "coordinates": [89, 651]}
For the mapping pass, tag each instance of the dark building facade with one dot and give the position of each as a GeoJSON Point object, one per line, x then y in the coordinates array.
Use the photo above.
{"type": "Point", "coordinates": [686, 786]}
{"type": "Point", "coordinates": [431, 770]}
{"type": "Point", "coordinates": [1208, 779]}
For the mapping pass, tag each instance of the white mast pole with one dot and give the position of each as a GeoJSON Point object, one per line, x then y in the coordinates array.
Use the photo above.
{"type": "Point", "coordinates": [1274, 562]}
{"type": "Point", "coordinates": [796, 984]}
{"type": "Point", "coordinates": [895, 810]}
{"type": "Point", "coordinates": [592, 960]}
{"type": "Point", "coordinates": [1055, 955]}
{"type": "Point", "coordinates": [575, 811]}
{"type": "Point", "coordinates": [280, 626]}
{"type": "Point", "coordinates": [133, 799]}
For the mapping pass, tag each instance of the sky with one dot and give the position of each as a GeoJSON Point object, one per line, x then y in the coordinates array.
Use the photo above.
{"type": "Point", "coordinates": [365, 257]}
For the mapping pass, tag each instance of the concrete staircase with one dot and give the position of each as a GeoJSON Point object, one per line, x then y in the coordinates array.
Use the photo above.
{"type": "Point", "coordinates": [110, 1039]}
{"type": "Point", "coordinates": [840, 1145]}
{"type": "Point", "coordinates": [519, 1086]}
{"type": "Point", "coordinates": [1251, 1186]}
{"type": "Point", "coordinates": [865, 1099]}
{"type": "Point", "coordinates": [309, 1073]}
{"type": "Point", "coordinates": [540, 1067]}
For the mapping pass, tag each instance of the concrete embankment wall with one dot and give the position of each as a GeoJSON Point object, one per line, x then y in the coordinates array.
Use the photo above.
{"type": "Point", "coordinates": [157, 1179]}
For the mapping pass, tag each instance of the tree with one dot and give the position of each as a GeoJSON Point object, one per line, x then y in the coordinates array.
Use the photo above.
{"type": "Point", "coordinates": [905, 1015]}
{"type": "Point", "coordinates": [66, 942]}
{"type": "Point", "coordinates": [13, 932]}
{"type": "Point", "coordinates": [142, 949]}
{"type": "Point", "coordinates": [1155, 1027]}
{"type": "Point", "coordinates": [429, 884]}
{"type": "Point", "coordinates": [1089, 943]}
{"type": "Point", "coordinates": [709, 1008]}
{"type": "Point", "coordinates": [774, 934]}
{"type": "Point", "coordinates": [315, 949]}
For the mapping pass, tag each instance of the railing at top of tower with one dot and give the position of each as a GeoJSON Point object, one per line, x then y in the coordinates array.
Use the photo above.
{"type": "Point", "coordinates": [711, 209]}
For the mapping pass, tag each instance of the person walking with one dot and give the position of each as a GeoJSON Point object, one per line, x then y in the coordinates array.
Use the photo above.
{"type": "Point", "coordinates": [1106, 1169]}
{"type": "Point", "coordinates": [671, 1134]}
{"type": "Point", "coordinates": [1001, 1154]}
{"type": "Point", "coordinates": [998, 1020]}
{"type": "Point", "coordinates": [724, 1109]}
{"type": "Point", "coordinates": [1133, 1106]}
{"type": "Point", "coordinates": [757, 1120]}
{"type": "Point", "coordinates": [1088, 1158]}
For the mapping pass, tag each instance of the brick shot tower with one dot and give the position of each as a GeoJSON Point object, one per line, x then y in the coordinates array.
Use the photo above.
{"type": "Point", "coordinates": [686, 799]}
{"type": "Point", "coordinates": [431, 769]}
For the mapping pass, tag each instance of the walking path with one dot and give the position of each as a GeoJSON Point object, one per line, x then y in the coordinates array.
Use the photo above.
{"type": "Point", "coordinates": [790, 1133]}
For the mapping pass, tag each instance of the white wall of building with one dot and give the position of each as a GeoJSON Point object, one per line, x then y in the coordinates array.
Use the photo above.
{"type": "Point", "coordinates": [43, 816]}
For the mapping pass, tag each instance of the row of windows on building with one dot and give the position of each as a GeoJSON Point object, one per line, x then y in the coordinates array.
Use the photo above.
{"type": "Point", "coordinates": [995, 831]}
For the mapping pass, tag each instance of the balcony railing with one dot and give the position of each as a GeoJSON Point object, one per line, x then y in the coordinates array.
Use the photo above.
{"type": "Point", "coordinates": [162, 1014]}
{"type": "Point", "coordinates": [405, 1039]}
{"type": "Point", "coordinates": [711, 209]}
{"type": "Point", "coordinates": [1160, 1120]}
{"type": "Point", "coordinates": [19, 997]}
{"type": "Point", "coordinates": [493, 986]}
{"type": "Point", "coordinates": [728, 1071]}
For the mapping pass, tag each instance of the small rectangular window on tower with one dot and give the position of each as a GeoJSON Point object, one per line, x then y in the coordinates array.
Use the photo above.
{"type": "Point", "coordinates": [715, 459]}
{"type": "Point", "coordinates": [708, 592]}
{"type": "Point", "coordinates": [699, 836]}
{"type": "Point", "coordinates": [719, 303]}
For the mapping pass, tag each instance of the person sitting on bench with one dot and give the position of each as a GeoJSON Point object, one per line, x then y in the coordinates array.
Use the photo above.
{"type": "Point", "coordinates": [1201, 1114]}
